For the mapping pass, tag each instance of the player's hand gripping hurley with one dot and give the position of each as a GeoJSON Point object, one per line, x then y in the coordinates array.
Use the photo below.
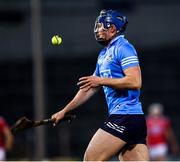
{"type": "Point", "coordinates": [25, 123]}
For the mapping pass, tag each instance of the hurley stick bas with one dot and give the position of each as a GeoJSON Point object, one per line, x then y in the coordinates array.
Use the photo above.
{"type": "Point", "coordinates": [24, 123]}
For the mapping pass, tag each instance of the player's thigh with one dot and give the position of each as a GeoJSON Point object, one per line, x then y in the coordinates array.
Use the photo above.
{"type": "Point", "coordinates": [103, 146]}
{"type": "Point", "coordinates": [137, 152]}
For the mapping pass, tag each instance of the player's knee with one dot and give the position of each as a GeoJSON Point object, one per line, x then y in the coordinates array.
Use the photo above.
{"type": "Point", "coordinates": [88, 155]}
{"type": "Point", "coordinates": [94, 156]}
{"type": "Point", "coordinates": [91, 156]}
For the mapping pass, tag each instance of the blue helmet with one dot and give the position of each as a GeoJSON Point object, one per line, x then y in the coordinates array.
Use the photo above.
{"type": "Point", "coordinates": [108, 18]}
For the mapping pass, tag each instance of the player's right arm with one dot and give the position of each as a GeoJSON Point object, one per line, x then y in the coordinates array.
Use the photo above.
{"type": "Point", "coordinates": [80, 98]}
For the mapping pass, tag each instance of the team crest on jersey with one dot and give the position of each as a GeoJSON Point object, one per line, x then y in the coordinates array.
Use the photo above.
{"type": "Point", "coordinates": [109, 58]}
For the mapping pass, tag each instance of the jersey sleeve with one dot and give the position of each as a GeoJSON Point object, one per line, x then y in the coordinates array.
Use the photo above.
{"type": "Point", "coordinates": [128, 56]}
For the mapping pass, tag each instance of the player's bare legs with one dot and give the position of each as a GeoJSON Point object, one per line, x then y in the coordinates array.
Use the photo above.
{"type": "Point", "coordinates": [137, 152]}
{"type": "Point", "coordinates": [102, 146]}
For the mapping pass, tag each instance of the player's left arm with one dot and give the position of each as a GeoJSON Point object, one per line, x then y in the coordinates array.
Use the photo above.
{"type": "Point", "coordinates": [170, 135]}
{"type": "Point", "coordinates": [131, 80]}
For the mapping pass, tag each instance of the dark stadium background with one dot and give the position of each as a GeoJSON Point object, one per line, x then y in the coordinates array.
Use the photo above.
{"type": "Point", "coordinates": [153, 29]}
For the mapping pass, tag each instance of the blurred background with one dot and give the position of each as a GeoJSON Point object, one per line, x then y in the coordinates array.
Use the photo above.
{"type": "Point", "coordinates": [37, 78]}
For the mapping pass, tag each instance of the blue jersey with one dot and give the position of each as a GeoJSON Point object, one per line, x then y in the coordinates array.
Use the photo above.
{"type": "Point", "coordinates": [111, 63]}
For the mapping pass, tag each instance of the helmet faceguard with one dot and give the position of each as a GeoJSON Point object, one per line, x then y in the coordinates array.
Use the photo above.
{"type": "Point", "coordinates": [108, 18]}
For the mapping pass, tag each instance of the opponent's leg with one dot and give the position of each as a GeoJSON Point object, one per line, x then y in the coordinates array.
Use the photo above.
{"type": "Point", "coordinates": [103, 146]}
{"type": "Point", "coordinates": [136, 152]}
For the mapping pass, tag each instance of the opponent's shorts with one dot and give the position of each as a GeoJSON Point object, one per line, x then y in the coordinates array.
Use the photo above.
{"type": "Point", "coordinates": [129, 128]}
{"type": "Point", "coordinates": [158, 150]}
{"type": "Point", "coordinates": [2, 154]}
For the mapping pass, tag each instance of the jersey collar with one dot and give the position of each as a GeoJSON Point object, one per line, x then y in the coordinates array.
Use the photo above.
{"type": "Point", "coordinates": [115, 39]}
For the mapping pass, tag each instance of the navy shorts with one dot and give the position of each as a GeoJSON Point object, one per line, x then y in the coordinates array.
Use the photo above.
{"type": "Point", "coordinates": [129, 128]}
